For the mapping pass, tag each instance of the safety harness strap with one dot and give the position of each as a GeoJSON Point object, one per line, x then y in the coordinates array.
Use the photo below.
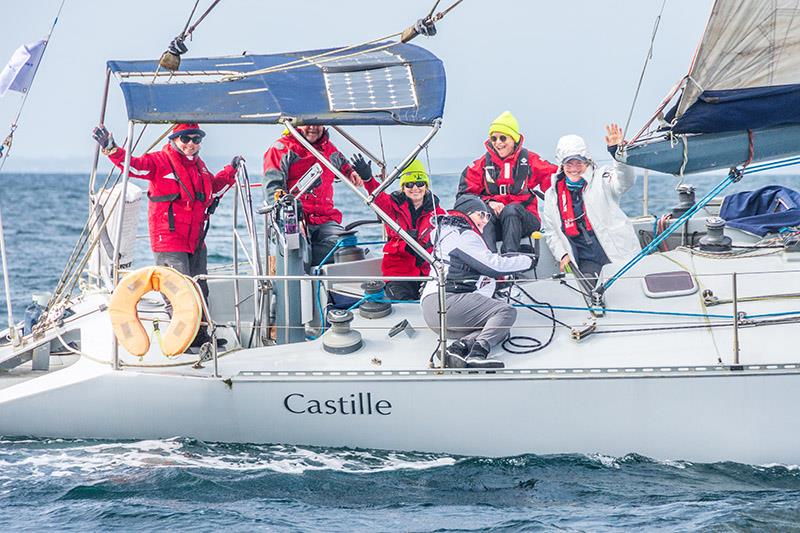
{"type": "Point", "coordinates": [522, 172]}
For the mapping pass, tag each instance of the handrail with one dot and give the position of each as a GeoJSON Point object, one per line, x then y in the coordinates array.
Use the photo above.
{"type": "Point", "coordinates": [126, 170]}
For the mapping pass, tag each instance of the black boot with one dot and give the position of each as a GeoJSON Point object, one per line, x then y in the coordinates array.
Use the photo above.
{"type": "Point", "coordinates": [203, 337]}
{"type": "Point", "coordinates": [456, 356]}
{"type": "Point", "coordinates": [478, 357]}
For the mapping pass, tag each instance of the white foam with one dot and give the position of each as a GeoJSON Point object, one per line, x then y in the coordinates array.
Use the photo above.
{"type": "Point", "coordinates": [172, 453]}
{"type": "Point", "coordinates": [606, 460]}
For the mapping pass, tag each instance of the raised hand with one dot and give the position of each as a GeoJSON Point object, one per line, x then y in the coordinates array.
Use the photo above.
{"type": "Point", "coordinates": [104, 138]}
{"type": "Point", "coordinates": [362, 167]}
{"type": "Point", "coordinates": [613, 134]}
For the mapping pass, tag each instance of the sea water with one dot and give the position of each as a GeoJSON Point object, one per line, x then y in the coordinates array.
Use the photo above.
{"type": "Point", "coordinates": [178, 483]}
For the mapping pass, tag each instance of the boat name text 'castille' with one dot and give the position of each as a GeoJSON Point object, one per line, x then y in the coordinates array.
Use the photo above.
{"type": "Point", "coordinates": [360, 403]}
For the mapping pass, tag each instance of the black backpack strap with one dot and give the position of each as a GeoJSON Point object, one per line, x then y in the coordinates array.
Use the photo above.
{"type": "Point", "coordinates": [164, 198]}
{"type": "Point", "coordinates": [170, 198]}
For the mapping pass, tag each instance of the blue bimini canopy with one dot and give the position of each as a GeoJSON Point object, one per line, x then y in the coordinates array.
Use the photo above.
{"type": "Point", "coordinates": [397, 84]}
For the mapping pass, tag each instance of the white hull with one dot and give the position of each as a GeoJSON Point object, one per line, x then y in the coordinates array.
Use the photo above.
{"type": "Point", "coordinates": [658, 378]}
{"type": "Point", "coordinates": [700, 415]}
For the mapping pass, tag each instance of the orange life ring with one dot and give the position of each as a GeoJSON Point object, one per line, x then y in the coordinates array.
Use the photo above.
{"type": "Point", "coordinates": [187, 310]}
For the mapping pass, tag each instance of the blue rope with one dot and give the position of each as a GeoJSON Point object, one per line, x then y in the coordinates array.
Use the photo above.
{"type": "Point", "coordinates": [774, 164]}
{"type": "Point", "coordinates": [661, 313]}
{"type": "Point", "coordinates": [375, 297]}
{"type": "Point", "coordinates": [731, 178]}
{"type": "Point", "coordinates": [347, 240]}
{"type": "Point", "coordinates": [629, 311]}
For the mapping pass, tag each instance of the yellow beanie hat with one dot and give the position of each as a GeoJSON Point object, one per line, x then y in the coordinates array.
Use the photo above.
{"type": "Point", "coordinates": [506, 123]}
{"type": "Point", "coordinates": [414, 172]}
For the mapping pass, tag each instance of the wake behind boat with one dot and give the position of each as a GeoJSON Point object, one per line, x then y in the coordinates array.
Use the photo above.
{"type": "Point", "coordinates": [680, 352]}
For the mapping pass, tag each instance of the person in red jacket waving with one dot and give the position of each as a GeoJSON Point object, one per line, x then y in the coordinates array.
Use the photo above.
{"type": "Point", "coordinates": [412, 207]}
{"type": "Point", "coordinates": [504, 178]}
{"type": "Point", "coordinates": [287, 162]}
{"type": "Point", "coordinates": [180, 191]}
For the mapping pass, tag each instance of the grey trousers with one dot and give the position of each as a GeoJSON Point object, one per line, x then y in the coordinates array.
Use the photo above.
{"type": "Point", "coordinates": [187, 264]}
{"type": "Point", "coordinates": [471, 317]}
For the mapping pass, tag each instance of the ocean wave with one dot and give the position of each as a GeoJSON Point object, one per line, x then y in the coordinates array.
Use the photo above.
{"type": "Point", "coordinates": [63, 458]}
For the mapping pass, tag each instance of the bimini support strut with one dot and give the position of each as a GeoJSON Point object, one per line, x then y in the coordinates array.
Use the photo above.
{"type": "Point", "coordinates": [369, 201]}
{"type": "Point", "coordinates": [437, 124]}
{"type": "Point", "coordinates": [378, 161]}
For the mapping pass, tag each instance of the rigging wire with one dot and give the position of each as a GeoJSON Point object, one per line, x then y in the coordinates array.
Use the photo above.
{"type": "Point", "coordinates": [647, 59]}
{"type": "Point", "coordinates": [8, 141]}
{"type": "Point", "coordinates": [324, 57]}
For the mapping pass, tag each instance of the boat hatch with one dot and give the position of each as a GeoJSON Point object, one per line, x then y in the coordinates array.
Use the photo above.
{"type": "Point", "coordinates": [668, 284]}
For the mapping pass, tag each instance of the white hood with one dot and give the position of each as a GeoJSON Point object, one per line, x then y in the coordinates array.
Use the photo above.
{"type": "Point", "coordinates": [571, 145]}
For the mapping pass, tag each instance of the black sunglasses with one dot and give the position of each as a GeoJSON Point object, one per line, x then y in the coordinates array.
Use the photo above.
{"type": "Point", "coordinates": [501, 138]}
{"type": "Point", "coordinates": [410, 184]}
{"type": "Point", "coordinates": [196, 139]}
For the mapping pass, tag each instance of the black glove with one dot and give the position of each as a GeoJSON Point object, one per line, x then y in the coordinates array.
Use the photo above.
{"type": "Point", "coordinates": [362, 167]}
{"type": "Point", "coordinates": [177, 46]}
{"type": "Point", "coordinates": [237, 160]}
{"type": "Point", "coordinates": [425, 27]}
{"type": "Point", "coordinates": [104, 138]}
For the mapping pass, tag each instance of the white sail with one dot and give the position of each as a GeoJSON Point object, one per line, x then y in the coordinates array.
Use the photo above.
{"type": "Point", "coordinates": [747, 44]}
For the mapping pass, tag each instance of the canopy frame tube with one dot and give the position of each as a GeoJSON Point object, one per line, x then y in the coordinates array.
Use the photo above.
{"type": "Point", "coordinates": [370, 202]}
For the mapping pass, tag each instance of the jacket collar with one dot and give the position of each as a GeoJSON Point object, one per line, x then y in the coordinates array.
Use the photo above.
{"type": "Point", "coordinates": [178, 156]}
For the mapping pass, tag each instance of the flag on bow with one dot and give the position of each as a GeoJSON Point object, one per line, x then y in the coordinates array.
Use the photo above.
{"type": "Point", "coordinates": [19, 72]}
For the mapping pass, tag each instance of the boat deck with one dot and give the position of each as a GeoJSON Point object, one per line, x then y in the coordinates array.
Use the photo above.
{"type": "Point", "coordinates": [637, 331]}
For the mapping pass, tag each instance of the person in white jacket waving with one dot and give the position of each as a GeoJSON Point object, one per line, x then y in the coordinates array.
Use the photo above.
{"type": "Point", "coordinates": [473, 316]}
{"type": "Point", "coordinates": [582, 220]}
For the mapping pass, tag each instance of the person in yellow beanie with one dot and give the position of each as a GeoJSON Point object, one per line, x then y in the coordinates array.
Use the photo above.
{"type": "Point", "coordinates": [412, 207]}
{"type": "Point", "coordinates": [504, 177]}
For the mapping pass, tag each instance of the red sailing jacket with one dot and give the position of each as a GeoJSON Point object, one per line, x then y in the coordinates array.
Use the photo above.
{"type": "Point", "coordinates": [180, 191]}
{"type": "Point", "coordinates": [398, 259]}
{"type": "Point", "coordinates": [286, 161]}
{"type": "Point", "coordinates": [508, 180]}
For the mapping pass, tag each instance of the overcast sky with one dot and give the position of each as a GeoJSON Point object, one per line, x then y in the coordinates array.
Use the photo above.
{"type": "Point", "coordinates": [561, 67]}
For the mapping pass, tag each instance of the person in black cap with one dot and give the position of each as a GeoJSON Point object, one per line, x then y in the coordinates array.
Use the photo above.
{"type": "Point", "coordinates": [478, 321]}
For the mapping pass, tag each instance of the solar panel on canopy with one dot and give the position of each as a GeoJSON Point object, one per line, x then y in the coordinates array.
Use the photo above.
{"type": "Point", "coordinates": [404, 84]}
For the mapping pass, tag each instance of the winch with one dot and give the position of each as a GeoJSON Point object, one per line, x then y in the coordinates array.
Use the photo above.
{"type": "Point", "coordinates": [715, 240]}
{"type": "Point", "coordinates": [340, 339]}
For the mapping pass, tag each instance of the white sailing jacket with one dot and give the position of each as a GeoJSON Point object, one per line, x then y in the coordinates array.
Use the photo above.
{"type": "Point", "coordinates": [463, 249]}
{"type": "Point", "coordinates": [605, 186]}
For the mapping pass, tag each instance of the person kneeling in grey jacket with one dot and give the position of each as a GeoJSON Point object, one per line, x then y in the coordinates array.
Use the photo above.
{"type": "Point", "coordinates": [473, 316]}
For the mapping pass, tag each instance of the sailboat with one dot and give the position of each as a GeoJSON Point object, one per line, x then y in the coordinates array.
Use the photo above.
{"type": "Point", "coordinates": [683, 352]}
